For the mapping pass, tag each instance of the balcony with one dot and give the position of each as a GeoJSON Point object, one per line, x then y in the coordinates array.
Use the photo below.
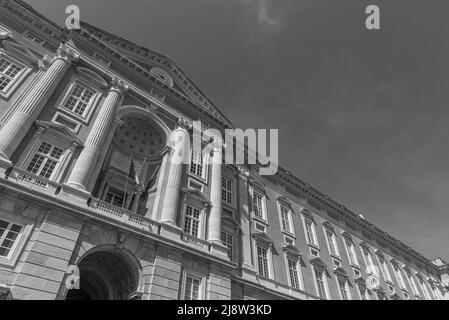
{"type": "Point", "coordinates": [33, 181]}
{"type": "Point", "coordinates": [119, 214]}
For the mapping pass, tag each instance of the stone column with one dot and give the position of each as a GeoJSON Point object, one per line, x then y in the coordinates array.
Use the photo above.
{"type": "Point", "coordinates": [81, 172]}
{"type": "Point", "coordinates": [12, 133]}
{"type": "Point", "coordinates": [214, 223]}
{"type": "Point", "coordinates": [179, 156]}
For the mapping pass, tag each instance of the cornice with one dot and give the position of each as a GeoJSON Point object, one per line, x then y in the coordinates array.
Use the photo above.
{"type": "Point", "coordinates": [118, 44]}
{"type": "Point", "coordinates": [23, 14]}
{"type": "Point", "coordinates": [345, 213]}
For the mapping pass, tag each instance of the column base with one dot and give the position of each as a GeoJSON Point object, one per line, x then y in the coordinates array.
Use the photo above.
{"type": "Point", "coordinates": [217, 248]}
{"type": "Point", "coordinates": [5, 163]}
{"type": "Point", "coordinates": [170, 230]}
{"type": "Point", "coordinates": [69, 190]}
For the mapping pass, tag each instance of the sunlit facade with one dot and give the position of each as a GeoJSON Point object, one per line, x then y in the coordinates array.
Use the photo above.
{"type": "Point", "coordinates": [76, 109]}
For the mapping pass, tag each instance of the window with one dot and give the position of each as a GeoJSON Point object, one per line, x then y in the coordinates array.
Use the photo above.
{"type": "Point", "coordinates": [226, 190]}
{"type": "Point", "coordinates": [350, 250]}
{"type": "Point", "coordinates": [320, 283]}
{"type": "Point", "coordinates": [412, 283]}
{"type": "Point", "coordinates": [367, 257]}
{"type": "Point", "coordinates": [192, 221]}
{"type": "Point", "coordinates": [391, 288]}
{"type": "Point", "coordinates": [406, 296]}
{"type": "Point", "coordinates": [380, 295]}
{"type": "Point", "coordinates": [424, 289]}
{"type": "Point", "coordinates": [197, 163]}
{"type": "Point", "coordinates": [79, 99]}
{"type": "Point", "coordinates": [262, 261]}
{"type": "Point", "coordinates": [9, 236]}
{"type": "Point", "coordinates": [384, 269]}
{"type": "Point", "coordinates": [363, 293]}
{"type": "Point", "coordinates": [289, 241]}
{"type": "Point", "coordinates": [286, 223]}
{"type": "Point", "coordinates": [331, 242]}
{"type": "Point", "coordinates": [9, 72]}
{"type": "Point", "coordinates": [227, 240]}
{"type": "Point", "coordinates": [260, 227]}
{"type": "Point", "coordinates": [114, 198]}
{"type": "Point", "coordinates": [259, 207]}
{"type": "Point", "coordinates": [195, 185]}
{"type": "Point", "coordinates": [293, 273]}
{"type": "Point", "coordinates": [65, 121]}
{"type": "Point", "coordinates": [344, 289]}
{"type": "Point", "coordinates": [399, 277]}
{"type": "Point", "coordinates": [310, 232]}
{"type": "Point", "coordinates": [45, 160]}
{"type": "Point", "coordinates": [192, 288]}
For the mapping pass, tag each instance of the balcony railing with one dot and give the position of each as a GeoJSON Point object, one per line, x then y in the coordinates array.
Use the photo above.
{"type": "Point", "coordinates": [33, 181]}
{"type": "Point", "coordinates": [123, 215]}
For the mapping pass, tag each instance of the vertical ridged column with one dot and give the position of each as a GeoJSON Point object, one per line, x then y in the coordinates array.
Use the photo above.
{"type": "Point", "coordinates": [81, 172]}
{"type": "Point", "coordinates": [12, 133]}
{"type": "Point", "coordinates": [179, 154]}
{"type": "Point", "coordinates": [214, 225]}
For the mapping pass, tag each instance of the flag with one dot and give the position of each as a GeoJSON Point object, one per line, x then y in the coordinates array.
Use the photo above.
{"type": "Point", "coordinates": [150, 182]}
{"type": "Point", "coordinates": [132, 172]}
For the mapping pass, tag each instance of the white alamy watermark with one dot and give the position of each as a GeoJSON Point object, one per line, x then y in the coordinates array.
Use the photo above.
{"type": "Point", "coordinates": [250, 147]}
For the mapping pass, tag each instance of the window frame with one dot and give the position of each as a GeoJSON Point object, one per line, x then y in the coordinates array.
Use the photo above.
{"type": "Point", "coordinates": [399, 277]}
{"type": "Point", "coordinates": [349, 240]}
{"type": "Point", "coordinates": [268, 250]}
{"type": "Point", "coordinates": [326, 230]}
{"type": "Point", "coordinates": [315, 242]}
{"type": "Point", "coordinates": [340, 279]}
{"type": "Point", "coordinates": [32, 149]}
{"type": "Point", "coordinates": [195, 275]}
{"type": "Point", "coordinates": [289, 213]}
{"type": "Point", "coordinates": [232, 192]}
{"type": "Point", "coordinates": [199, 219]}
{"type": "Point", "coordinates": [20, 242]}
{"type": "Point", "coordinates": [383, 264]}
{"type": "Point", "coordinates": [18, 79]}
{"type": "Point", "coordinates": [205, 168]}
{"type": "Point", "coordinates": [67, 92]}
{"type": "Point", "coordinates": [321, 270]}
{"type": "Point", "coordinates": [297, 263]}
{"type": "Point", "coordinates": [225, 243]}
{"type": "Point", "coordinates": [262, 195]}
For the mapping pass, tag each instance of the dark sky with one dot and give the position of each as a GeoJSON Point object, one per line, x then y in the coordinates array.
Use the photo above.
{"type": "Point", "coordinates": [362, 115]}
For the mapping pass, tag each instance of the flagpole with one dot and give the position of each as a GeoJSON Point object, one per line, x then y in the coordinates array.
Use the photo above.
{"type": "Point", "coordinates": [126, 183]}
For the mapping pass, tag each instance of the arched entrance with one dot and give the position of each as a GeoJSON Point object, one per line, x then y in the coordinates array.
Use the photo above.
{"type": "Point", "coordinates": [106, 275]}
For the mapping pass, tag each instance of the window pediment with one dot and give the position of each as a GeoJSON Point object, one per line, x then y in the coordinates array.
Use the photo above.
{"type": "Point", "coordinates": [61, 130]}
{"type": "Point", "coordinates": [328, 225]}
{"type": "Point", "coordinates": [264, 238]}
{"type": "Point", "coordinates": [291, 250]}
{"type": "Point", "coordinates": [197, 195]}
{"type": "Point", "coordinates": [339, 271]}
{"type": "Point", "coordinates": [92, 76]}
{"type": "Point", "coordinates": [317, 262]}
{"type": "Point", "coordinates": [21, 52]}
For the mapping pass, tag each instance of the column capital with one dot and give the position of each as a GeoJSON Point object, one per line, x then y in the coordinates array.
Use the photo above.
{"type": "Point", "coordinates": [119, 85]}
{"type": "Point", "coordinates": [5, 34]}
{"type": "Point", "coordinates": [184, 124]}
{"type": "Point", "coordinates": [66, 53]}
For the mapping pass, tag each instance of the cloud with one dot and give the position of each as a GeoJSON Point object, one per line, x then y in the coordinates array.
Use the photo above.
{"type": "Point", "coordinates": [269, 13]}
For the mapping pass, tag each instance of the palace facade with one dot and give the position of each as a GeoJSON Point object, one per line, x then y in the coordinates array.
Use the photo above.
{"type": "Point", "coordinates": [77, 108]}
